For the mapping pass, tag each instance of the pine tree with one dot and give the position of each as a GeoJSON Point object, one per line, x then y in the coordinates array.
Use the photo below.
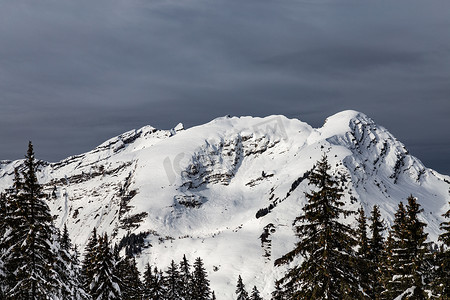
{"type": "Point", "coordinates": [67, 266]}
{"type": "Point", "coordinates": [154, 288]}
{"type": "Point", "coordinates": [361, 233]}
{"type": "Point", "coordinates": [408, 254]}
{"type": "Point", "coordinates": [65, 241]}
{"type": "Point", "coordinates": [186, 279]}
{"type": "Point", "coordinates": [89, 261]}
{"type": "Point", "coordinates": [396, 256]}
{"type": "Point", "coordinates": [255, 294]}
{"type": "Point", "coordinates": [63, 266]}
{"type": "Point", "coordinates": [277, 294]}
{"type": "Point", "coordinates": [30, 258]}
{"type": "Point", "coordinates": [134, 280]}
{"type": "Point", "coordinates": [363, 252]}
{"type": "Point", "coordinates": [376, 249]}
{"type": "Point", "coordinates": [79, 292]}
{"type": "Point", "coordinates": [159, 289]}
{"type": "Point", "coordinates": [173, 282]}
{"type": "Point", "coordinates": [3, 227]}
{"type": "Point", "coordinates": [328, 269]}
{"type": "Point", "coordinates": [441, 284]}
{"type": "Point", "coordinates": [418, 249]}
{"type": "Point", "coordinates": [14, 233]}
{"type": "Point", "coordinates": [200, 282]}
{"type": "Point", "coordinates": [148, 281]}
{"type": "Point", "coordinates": [130, 285]}
{"type": "Point", "coordinates": [241, 293]}
{"type": "Point", "coordinates": [3, 213]}
{"type": "Point", "coordinates": [105, 284]}
{"type": "Point", "coordinates": [387, 267]}
{"type": "Point", "coordinates": [213, 296]}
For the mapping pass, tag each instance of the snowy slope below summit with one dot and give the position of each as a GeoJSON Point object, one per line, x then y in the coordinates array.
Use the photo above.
{"type": "Point", "coordinates": [214, 190]}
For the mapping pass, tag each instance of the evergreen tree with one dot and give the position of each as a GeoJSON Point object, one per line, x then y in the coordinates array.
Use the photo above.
{"type": "Point", "coordinates": [68, 267]}
{"type": "Point", "coordinates": [441, 284]}
{"type": "Point", "coordinates": [3, 213]}
{"type": "Point", "coordinates": [277, 294]}
{"type": "Point", "coordinates": [64, 266]}
{"type": "Point", "coordinates": [376, 248]}
{"type": "Point", "coordinates": [328, 270]}
{"type": "Point", "coordinates": [241, 293]}
{"type": "Point", "coordinates": [131, 285]}
{"type": "Point", "coordinates": [361, 233]}
{"type": "Point", "coordinates": [213, 296]}
{"type": "Point", "coordinates": [30, 257]}
{"type": "Point", "coordinates": [173, 282]}
{"type": "Point", "coordinates": [396, 256]}
{"type": "Point", "coordinates": [65, 241]}
{"type": "Point", "coordinates": [363, 252]}
{"type": "Point", "coordinates": [418, 249]}
{"type": "Point", "coordinates": [79, 293]}
{"type": "Point", "coordinates": [408, 254]}
{"type": "Point", "coordinates": [255, 294]}
{"type": "Point", "coordinates": [89, 261]}
{"type": "Point", "coordinates": [445, 227]}
{"type": "Point", "coordinates": [154, 288]}
{"type": "Point", "coordinates": [387, 267]}
{"type": "Point", "coordinates": [159, 289]}
{"type": "Point", "coordinates": [14, 233]}
{"type": "Point", "coordinates": [200, 282]}
{"type": "Point", "coordinates": [186, 279]}
{"type": "Point", "coordinates": [105, 284]}
{"type": "Point", "coordinates": [148, 281]}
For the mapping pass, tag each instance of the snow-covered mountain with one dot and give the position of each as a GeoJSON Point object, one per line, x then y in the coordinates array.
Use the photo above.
{"type": "Point", "coordinates": [229, 190]}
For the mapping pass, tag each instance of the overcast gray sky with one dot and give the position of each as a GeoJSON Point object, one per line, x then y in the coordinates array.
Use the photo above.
{"type": "Point", "coordinates": [75, 73]}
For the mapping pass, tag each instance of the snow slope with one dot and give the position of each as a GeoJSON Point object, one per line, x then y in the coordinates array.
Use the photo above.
{"type": "Point", "coordinates": [229, 190]}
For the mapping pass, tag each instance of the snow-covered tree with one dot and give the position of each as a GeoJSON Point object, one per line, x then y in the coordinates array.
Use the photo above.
{"type": "Point", "coordinates": [3, 213]}
{"type": "Point", "coordinates": [277, 294]}
{"type": "Point", "coordinates": [328, 270]}
{"type": "Point", "coordinates": [147, 283]}
{"type": "Point", "coordinates": [130, 283]}
{"type": "Point", "coordinates": [173, 282]}
{"type": "Point", "coordinates": [67, 267]}
{"type": "Point", "coordinates": [200, 282]}
{"type": "Point", "coordinates": [363, 252]}
{"type": "Point", "coordinates": [407, 255]}
{"type": "Point", "coordinates": [79, 293]}
{"type": "Point", "coordinates": [159, 288]}
{"type": "Point", "coordinates": [241, 292]}
{"type": "Point", "coordinates": [89, 261]}
{"type": "Point", "coordinates": [441, 284]}
{"type": "Point", "coordinates": [376, 248]}
{"type": "Point", "coordinates": [154, 288]}
{"type": "Point", "coordinates": [255, 294]}
{"type": "Point", "coordinates": [29, 238]}
{"type": "Point", "coordinates": [186, 279]}
{"type": "Point", "coordinates": [63, 265]}
{"type": "Point", "coordinates": [105, 284]}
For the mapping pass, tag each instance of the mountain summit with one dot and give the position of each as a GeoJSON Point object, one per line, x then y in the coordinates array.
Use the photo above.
{"type": "Point", "coordinates": [229, 190]}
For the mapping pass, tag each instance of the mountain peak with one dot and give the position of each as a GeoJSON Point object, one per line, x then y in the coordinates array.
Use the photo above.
{"type": "Point", "coordinates": [341, 123]}
{"type": "Point", "coordinates": [228, 182]}
{"type": "Point", "coordinates": [348, 115]}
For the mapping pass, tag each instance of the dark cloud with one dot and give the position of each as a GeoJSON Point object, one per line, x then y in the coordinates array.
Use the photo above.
{"type": "Point", "coordinates": [74, 73]}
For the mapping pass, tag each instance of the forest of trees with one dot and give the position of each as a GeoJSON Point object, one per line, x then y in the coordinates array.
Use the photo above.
{"type": "Point", "coordinates": [367, 262]}
{"type": "Point", "coordinates": [38, 260]}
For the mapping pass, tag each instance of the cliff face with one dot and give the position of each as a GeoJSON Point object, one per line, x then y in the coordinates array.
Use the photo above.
{"type": "Point", "coordinates": [229, 190]}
